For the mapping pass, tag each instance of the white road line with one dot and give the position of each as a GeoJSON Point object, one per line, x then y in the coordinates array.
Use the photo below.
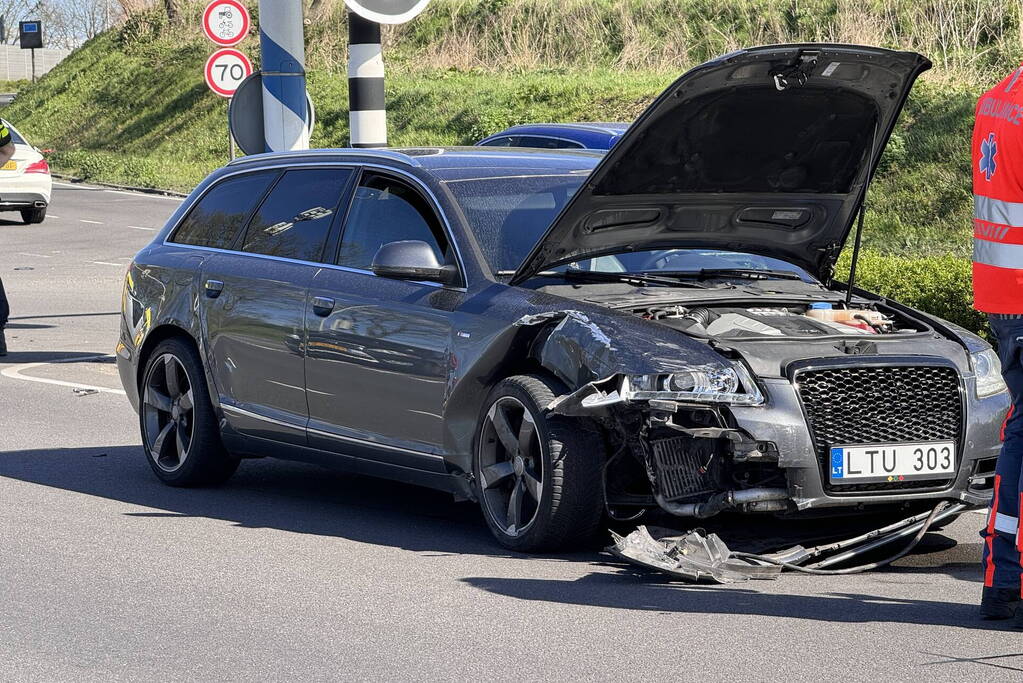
{"type": "Point", "coordinates": [145, 195]}
{"type": "Point", "coordinates": [14, 372]}
{"type": "Point", "coordinates": [28, 253]}
{"type": "Point", "coordinates": [108, 263]}
{"type": "Point", "coordinates": [137, 195]}
{"type": "Point", "coordinates": [50, 215]}
{"type": "Point", "coordinates": [139, 227]}
{"type": "Point", "coordinates": [83, 220]}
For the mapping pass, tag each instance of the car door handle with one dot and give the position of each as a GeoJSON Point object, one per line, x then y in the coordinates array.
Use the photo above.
{"type": "Point", "coordinates": [214, 288]}
{"type": "Point", "coordinates": [322, 306]}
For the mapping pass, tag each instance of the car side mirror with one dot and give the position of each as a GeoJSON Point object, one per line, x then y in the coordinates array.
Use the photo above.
{"type": "Point", "coordinates": [412, 260]}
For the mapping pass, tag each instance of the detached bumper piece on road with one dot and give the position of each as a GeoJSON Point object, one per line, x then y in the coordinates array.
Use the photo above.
{"type": "Point", "coordinates": [698, 557]}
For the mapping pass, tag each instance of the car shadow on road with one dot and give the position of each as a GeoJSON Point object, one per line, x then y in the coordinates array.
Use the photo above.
{"type": "Point", "coordinates": [272, 494]}
{"type": "Point", "coordinates": [638, 590]}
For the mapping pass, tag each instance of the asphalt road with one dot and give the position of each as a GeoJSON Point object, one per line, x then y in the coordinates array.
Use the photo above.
{"type": "Point", "coordinates": [291, 572]}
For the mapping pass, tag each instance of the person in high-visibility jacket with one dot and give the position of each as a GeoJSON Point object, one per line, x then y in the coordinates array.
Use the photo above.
{"type": "Point", "coordinates": [998, 291]}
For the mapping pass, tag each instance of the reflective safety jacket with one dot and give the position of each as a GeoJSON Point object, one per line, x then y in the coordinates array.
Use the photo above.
{"type": "Point", "coordinates": [998, 198]}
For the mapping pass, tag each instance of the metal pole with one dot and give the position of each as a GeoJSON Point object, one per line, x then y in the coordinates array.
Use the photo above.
{"type": "Point", "coordinates": [282, 45]}
{"type": "Point", "coordinates": [367, 116]}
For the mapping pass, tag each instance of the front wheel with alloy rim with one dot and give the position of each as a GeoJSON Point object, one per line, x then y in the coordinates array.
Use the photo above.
{"type": "Point", "coordinates": [538, 477]}
{"type": "Point", "coordinates": [179, 429]}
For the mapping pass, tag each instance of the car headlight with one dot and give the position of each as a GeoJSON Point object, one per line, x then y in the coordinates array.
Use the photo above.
{"type": "Point", "coordinates": [714, 384]}
{"type": "Point", "coordinates": [988, 370]}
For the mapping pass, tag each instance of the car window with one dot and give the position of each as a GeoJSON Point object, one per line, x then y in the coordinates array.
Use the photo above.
{"type": "Point", "coordinates": [509, 214]}
{"type": "Point", "coordinates": [688, 261]}
{"type": "Point", "coordinates": [218, 217]}
{"type": "Point", "coordinates": [387, 210]}
{"type": "Point", "coordinates": [295, 218]}
{"type": "Point", "coordinates": [503, 141]}
{"type": "Point", "coordinates": [546, 143]}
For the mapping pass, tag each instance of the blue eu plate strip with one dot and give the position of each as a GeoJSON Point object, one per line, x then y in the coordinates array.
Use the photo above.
{"type": "Point", "coordinates": [837, 463]}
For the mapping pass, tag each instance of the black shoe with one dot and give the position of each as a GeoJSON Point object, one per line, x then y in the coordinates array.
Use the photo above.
{"type": "Point", "coordinates": [3, 343]}
{"type": "Point", "coordinates": [1001, 603]}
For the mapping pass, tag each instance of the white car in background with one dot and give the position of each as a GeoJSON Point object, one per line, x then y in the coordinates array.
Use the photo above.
{"type": "Point", "coordinates": [25, 182]}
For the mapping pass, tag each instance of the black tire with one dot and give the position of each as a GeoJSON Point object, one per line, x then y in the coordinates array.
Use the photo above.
{"type": "Point", "coordinates": [29, 216]}
{"type": "Point", "coordinates": [570, 456]}
{"type": "Point", "coordinates": [190, 452]}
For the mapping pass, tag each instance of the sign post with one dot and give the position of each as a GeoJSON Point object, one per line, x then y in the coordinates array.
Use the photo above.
{"type": "Point", "coordinates": [367, 113]}
{"type": "Point", "coordinates": [282, 46]}
{"type": "Point", "coordinates": [30, 35]}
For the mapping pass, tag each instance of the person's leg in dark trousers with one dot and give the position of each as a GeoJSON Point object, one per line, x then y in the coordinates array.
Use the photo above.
{"type": "Point", "coordinates": [1001, 557]}
{"type": "Point", "coordinates": [5, 311]}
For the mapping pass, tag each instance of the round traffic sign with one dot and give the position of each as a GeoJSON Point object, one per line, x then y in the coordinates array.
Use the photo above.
{"type": "Point", "coordinates": [226, 22]}
{"type": "Point", "coordinates": [225, 70]}
{"type": "Point", "coordinates": [387, 11]}
{"type": "Point", "coordinates": [245, 115]}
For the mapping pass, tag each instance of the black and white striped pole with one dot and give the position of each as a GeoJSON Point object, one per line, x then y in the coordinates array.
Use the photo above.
{"type": "Point", "coordinates": [367, 115]}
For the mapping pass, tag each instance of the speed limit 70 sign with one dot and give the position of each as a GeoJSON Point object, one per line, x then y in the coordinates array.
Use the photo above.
{"type": "Point", "coordinates": [225, 70]}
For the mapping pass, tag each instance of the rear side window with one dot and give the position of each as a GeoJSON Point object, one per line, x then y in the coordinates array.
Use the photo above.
{"type": "Point", "coordinates": [546, 143]}
{"type": "Point", "coordinates": [295, 218]}
{"type": "Point", "coordinates": [387, 210]}
{"type": "Point", "coordinates": [219, 216]}
{"type": "Point", "coordinates": [505, 141]}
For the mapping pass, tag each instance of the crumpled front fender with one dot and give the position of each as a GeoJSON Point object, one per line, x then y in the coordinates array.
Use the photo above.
{"type": "Point", "coordinates": [581, 348]}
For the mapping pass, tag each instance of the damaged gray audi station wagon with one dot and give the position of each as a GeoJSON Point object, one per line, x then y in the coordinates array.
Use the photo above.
{"type": "Point", "coordinates": [565, 336]}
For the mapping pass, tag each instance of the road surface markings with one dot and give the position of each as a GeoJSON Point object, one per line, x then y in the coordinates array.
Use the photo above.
{"type": "Point", "coordinates": [108, 263]}
{"type": "Point", "coordinates": [28, 253]}
{"type": "Point", "coordinates": [84, 220]}
{"type": "Point", "coordinates": [50, 215]}
{"type": "Point", "coordinates": [139, 227]}
{"type": "Point", "coordinates": [145, 195]}
{"type": "Point", "coordinates": [137, 195]}
{"type": "Point", "coordinates": [15, 373]}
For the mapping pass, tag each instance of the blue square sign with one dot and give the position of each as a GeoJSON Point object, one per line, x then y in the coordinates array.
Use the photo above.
{"type": "Point", "coordinates": [30, 27]}
{"type": "Point", "coordinates": [837, 463]}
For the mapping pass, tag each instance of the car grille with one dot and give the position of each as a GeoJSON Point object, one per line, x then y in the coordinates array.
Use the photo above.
{"type": "Point", "coordinates": [681, 468]}
{"type": "Point", "coordinates": [848, 406]}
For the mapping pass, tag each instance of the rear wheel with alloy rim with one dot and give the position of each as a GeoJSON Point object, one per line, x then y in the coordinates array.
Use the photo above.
{"type": "Point", "coordinates": [179, 429]}
{"type": "Point", "coordinates": [537, 476]}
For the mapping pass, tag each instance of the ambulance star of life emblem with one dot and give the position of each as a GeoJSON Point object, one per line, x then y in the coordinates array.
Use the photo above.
{"type": "Point", "coordinates": [988, 150]}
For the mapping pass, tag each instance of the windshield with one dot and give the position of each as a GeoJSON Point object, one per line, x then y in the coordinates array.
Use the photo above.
{"type": "Point", "coordinates": [685, 261]}
{"type": "Point", "coordinates": [509, 214]}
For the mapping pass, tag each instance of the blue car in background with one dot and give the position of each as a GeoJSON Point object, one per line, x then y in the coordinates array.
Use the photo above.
{"type": "Point", "coordinates": [558, 136]}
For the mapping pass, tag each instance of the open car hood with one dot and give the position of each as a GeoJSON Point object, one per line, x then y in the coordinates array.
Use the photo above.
{"type": "Point", "coordinates": [767, 151]}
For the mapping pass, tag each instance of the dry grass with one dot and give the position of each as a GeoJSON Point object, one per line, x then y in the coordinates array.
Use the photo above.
{"type": "Point", "coordinates": [967, 39]}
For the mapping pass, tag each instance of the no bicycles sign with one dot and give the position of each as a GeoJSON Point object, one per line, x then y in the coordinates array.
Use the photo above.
{"type": "Point", "coordinates": [226, 22]}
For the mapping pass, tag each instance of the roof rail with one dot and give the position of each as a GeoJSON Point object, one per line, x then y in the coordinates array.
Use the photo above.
{"type": "Point", "coordinates": [319, 153]}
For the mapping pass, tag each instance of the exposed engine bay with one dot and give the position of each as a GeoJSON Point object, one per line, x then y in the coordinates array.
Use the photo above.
{"type": "Point", "coordinates": [798, 320]}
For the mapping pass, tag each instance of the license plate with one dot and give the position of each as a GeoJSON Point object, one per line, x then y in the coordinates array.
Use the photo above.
{"type": "Point", "coordinates": [893, 462]}
{"type": "Point", "coordinates": [9, 166]}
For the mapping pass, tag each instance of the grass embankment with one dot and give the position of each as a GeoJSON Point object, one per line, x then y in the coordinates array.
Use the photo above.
{"type": "Point", "coordinates": [130, 105]}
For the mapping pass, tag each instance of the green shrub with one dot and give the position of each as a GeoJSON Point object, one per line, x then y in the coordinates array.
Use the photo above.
{"type": "Point", "coordinates": [939, 285]}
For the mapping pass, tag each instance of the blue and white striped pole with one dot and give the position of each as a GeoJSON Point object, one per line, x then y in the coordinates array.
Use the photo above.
{"type": "Point", "coordinates": [367, 116]}
{"type": "Point", "coordinates": [282, 43]}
